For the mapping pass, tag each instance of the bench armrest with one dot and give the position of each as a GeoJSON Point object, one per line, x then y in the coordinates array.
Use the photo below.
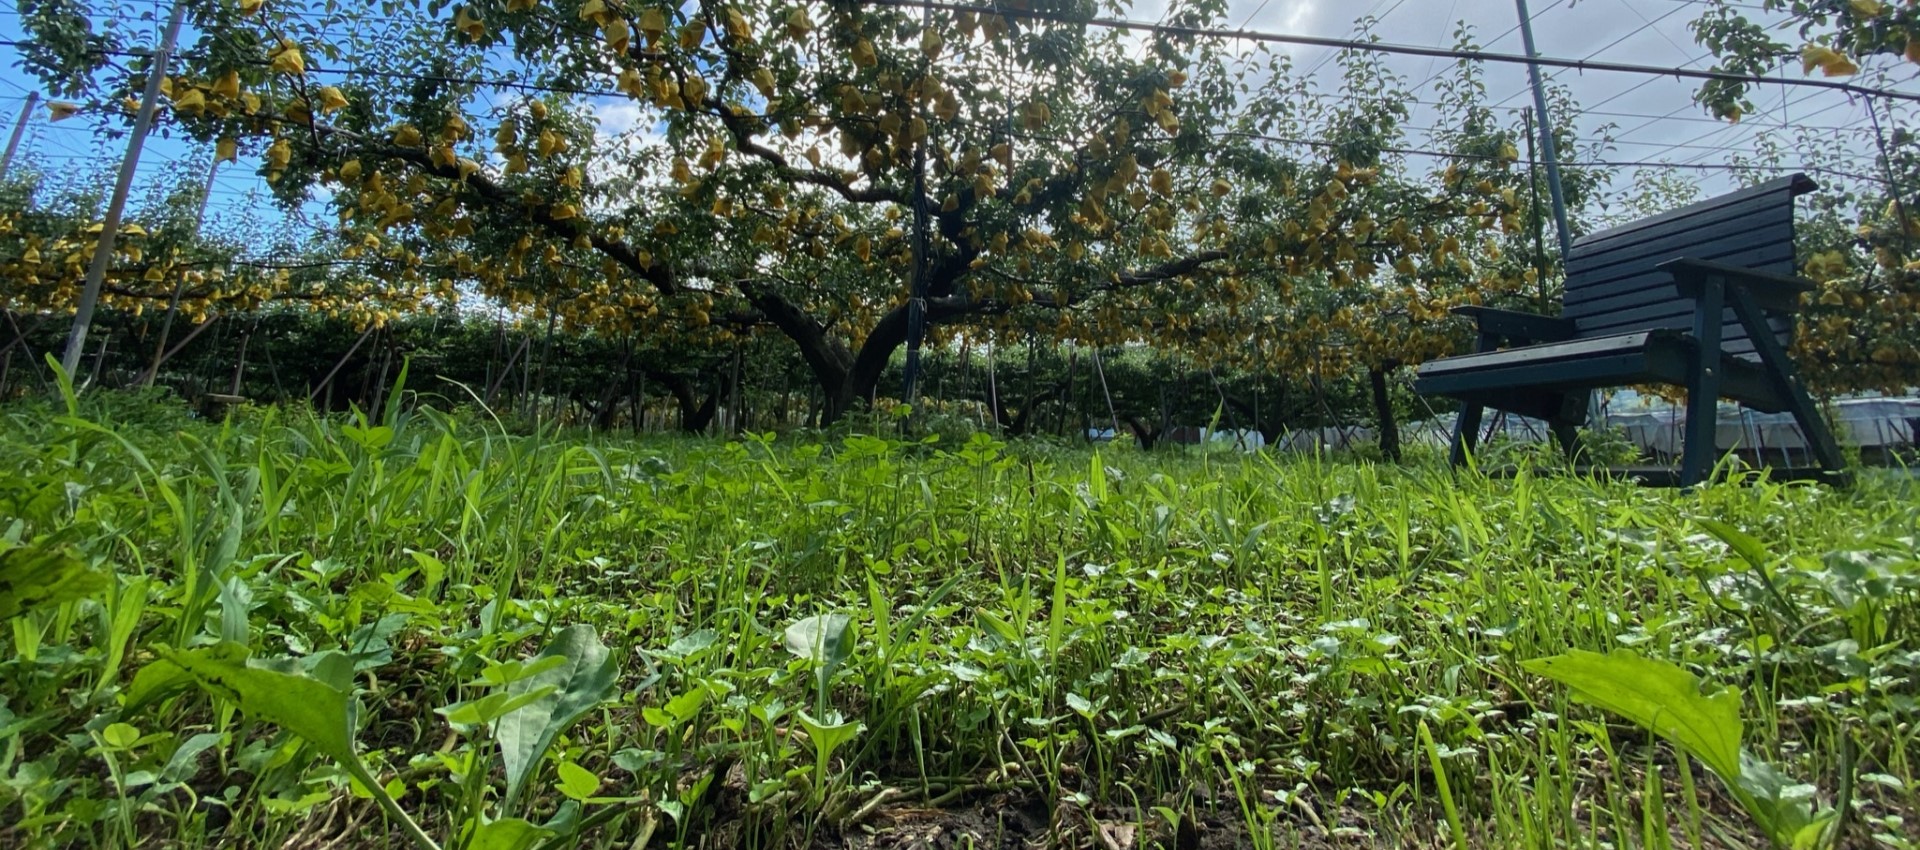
{"type": "Point", "coordinates": [1779, 293]}
{"type": "Point", "coordinates": [1530, 327]}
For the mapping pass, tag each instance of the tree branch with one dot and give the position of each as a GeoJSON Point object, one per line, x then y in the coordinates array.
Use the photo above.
{"type": "Point", "coordinates": [485, 188]}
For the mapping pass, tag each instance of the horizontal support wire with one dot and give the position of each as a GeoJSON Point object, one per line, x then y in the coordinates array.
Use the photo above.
{"type": "Point", "coordinates": [1396, 49]}
{"type": "Point", "coordinates": [1256, 35]}
{"type": "Point", "coordinates": [1206, 32]}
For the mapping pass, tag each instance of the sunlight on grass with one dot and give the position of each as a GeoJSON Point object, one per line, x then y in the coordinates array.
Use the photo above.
{"type": "Point", "coordinates": [527, 640]}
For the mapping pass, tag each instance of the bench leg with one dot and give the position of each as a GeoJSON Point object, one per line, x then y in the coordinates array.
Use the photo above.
{"type": "Point", "coordinates": [1466, 429]}
{"type": "Point", "coordinates": [1700, 452]}
{"type": "Point", "coordinates": [1703, 386]}
{"type": "Point", "coordinates": [1826, 450]}
{"type": "Point", "coordinates": [1566, 426]}
{"type": "Point", "coordinates": [1812, 425]}
{"type": "Point", "coordinates": [1466, 432]}
{"type": "Point", "coordinates": [1568, 436]}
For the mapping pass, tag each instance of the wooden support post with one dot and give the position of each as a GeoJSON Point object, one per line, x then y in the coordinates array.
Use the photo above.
{"type": "Point", "coordinates": [179, 287]}
{"type": "Point", "coordinates": [100, 357]}
{"type": "Point", "coordinates": [993, 387]}
{"type": "Point", "coordinates": [240, 362]}
{"type": "Point", "coordinates": [493, 390]}
{"type": "Point", "coordinates": [146, 379]}
{"type": "Point", "coordinates": [378, 401]}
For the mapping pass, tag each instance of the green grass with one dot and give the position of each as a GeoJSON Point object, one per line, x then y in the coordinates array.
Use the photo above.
{"type": "Point", "coordinates": [1044, 646]}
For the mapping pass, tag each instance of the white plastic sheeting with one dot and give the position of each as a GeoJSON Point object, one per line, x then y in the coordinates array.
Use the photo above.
{"type": "Point", "coordinates": [1247, 440]}
{"type": "Point", "coordinates": [1652, 423]}
{"type": "Point", "coordinates": [1436, 432]}
{"type": "Point", "coordinates": [1658, 426]}
{"type": "Point", "coordinates": [1308, 439]}
{"type": "Point", "coordinates": [1868, 422]}
{"type": "Point", "coordinates": [1244, 440]}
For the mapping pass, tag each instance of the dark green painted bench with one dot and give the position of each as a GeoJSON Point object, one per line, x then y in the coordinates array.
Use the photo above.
{"type": "Point", "coordinates": [1701, 297]}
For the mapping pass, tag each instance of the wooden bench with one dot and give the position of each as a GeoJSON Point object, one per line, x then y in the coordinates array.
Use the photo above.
{"type": "Point", "coordinates": [1701, 297]}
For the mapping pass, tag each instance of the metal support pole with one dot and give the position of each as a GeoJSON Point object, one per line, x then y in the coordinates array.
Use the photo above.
{"type": "Point", "coordinates": [993, 385]}
{"type": "Point", "coordinates": [917, 301]}
{"type": "Point", "coordinates": [19, 129]}
{"type": "Point", "coordinates": [917, 298]}
{"type": "Point", "coordinates": [103, 253]}
{"type": "Point", "coordinates": [1546, 132]}
{"type": "Point", "coordinates": [179, 286]}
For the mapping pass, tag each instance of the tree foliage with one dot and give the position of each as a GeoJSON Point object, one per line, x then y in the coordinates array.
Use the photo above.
{"type": "Point", "coordinates": [704, 175]}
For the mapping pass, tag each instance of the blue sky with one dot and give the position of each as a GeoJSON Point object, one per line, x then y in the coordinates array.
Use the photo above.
{"type": "Point", "coordinates": [72, 145]}
{"type": "Point", "coordinates": [1654, 116]}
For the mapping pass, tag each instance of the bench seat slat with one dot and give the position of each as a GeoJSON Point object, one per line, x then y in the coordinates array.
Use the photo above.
{"type": "Point", "coordinates": [1652, 357]}
{"type": "Point", "coordinates": [1539, 354]}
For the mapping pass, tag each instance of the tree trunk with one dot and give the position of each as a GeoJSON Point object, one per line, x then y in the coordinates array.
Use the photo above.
{"type": "Point", "coordinates": [1269, 427]}
{"type": "Point", "coordinates": [695, 415]}
{"type": "Point", "coordinates": [783, 408]}
{"type": "Point", "coordinates": [735, 421]}
{"type": "Point", "coordinates": [825, 356]}
{"type": "Point", "coordinates": [863, 378]}
{"type": "Point", "coordinates": [1066, 398]}
{"type": "Point", "coordinates": [1084, 421]}
{"type": "Point", "coordinates": [848, 376]}
{"type": "Point", "coordinates": [682, 391]}
{"type": "Point", "coordinates": [703, 418]}
{"type": "Point", "coordinates": [1389, 431]}
{"type": "Point", "coordinates": [843, 376]}
{"type": "Point", "coordinates": [640, 403]}
{"type": "Point", "coordinates": [546, 352]}
{"type": "Point", "coordinates": [1166, 407]}
{"type": "Point", "coordinates": [1142, 434]}
{"type": "Point", "coordinates": [1016, 424]}
{"type": "Point", "coordinates": [608, 407]}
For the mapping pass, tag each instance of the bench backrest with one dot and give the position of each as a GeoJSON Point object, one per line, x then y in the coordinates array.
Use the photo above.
{"type": "Point", "coordinates": [1614, 284]}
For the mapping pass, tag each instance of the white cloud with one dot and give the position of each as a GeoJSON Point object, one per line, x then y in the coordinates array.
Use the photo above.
{"type": "Point", "coordinates": [619, 117]}
{"type": "Point", "coordinates": [623, 129]}
{"type": "Point", "coordinates": [1286, 17]}
{"type": "Point", "coordinates": [1291, 17]}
